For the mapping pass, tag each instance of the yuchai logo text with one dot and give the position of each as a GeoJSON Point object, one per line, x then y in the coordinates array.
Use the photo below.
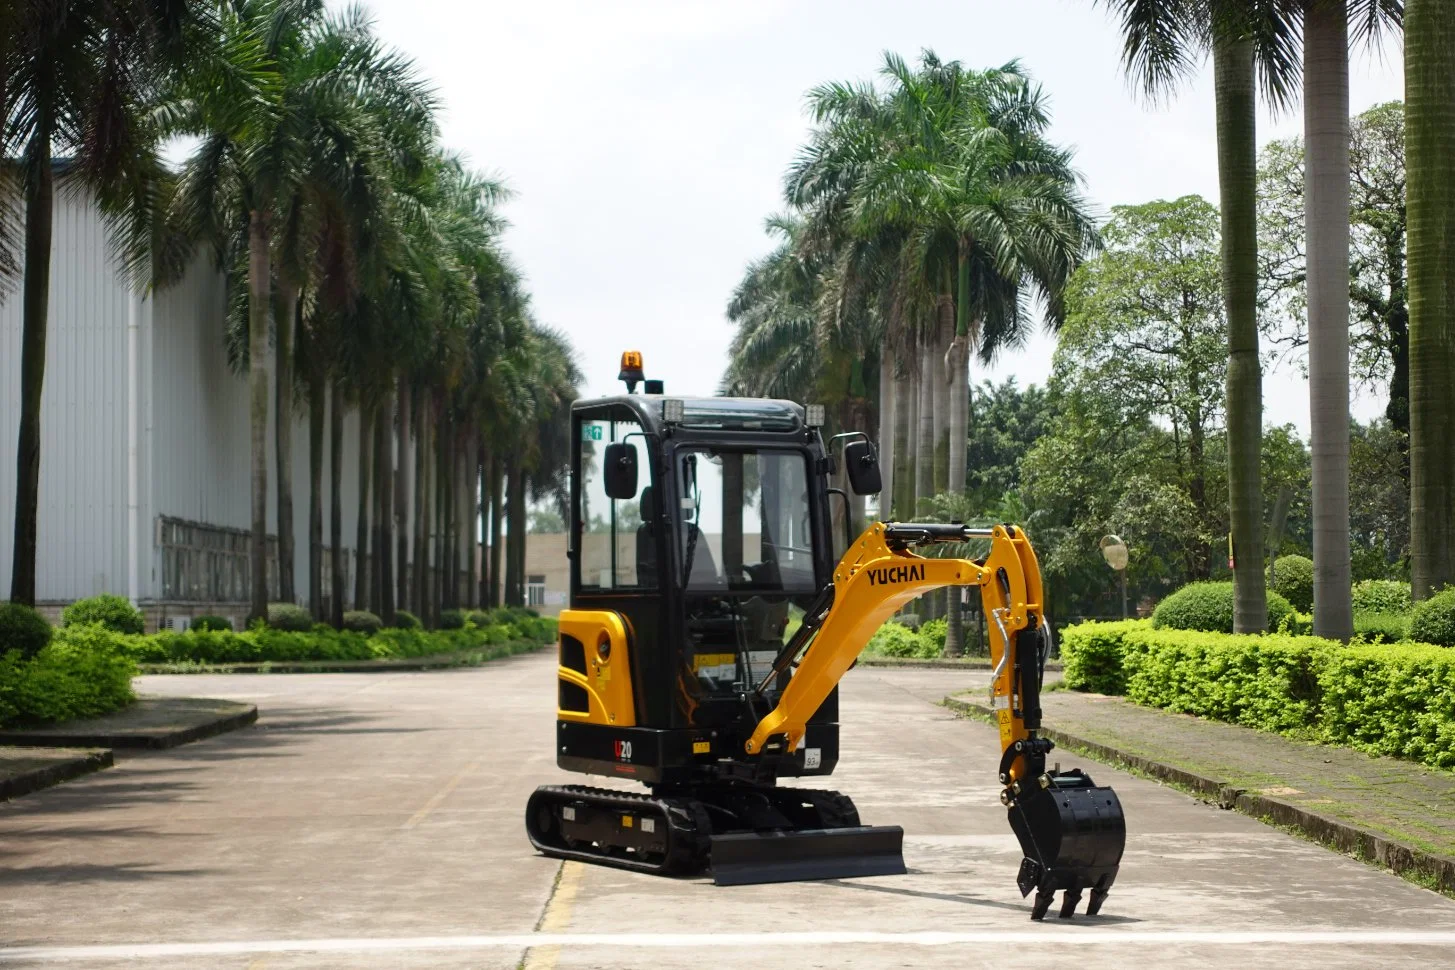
{"type": "Point", "coordinates": [896, 574]}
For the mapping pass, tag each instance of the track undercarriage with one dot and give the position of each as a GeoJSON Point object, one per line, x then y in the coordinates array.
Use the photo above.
{"type": "Point", "coordinates": [745, 833]}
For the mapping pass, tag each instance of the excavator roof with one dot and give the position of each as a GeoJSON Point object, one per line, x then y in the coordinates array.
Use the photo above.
{"type": "Point", "coordinates": [706, 413]}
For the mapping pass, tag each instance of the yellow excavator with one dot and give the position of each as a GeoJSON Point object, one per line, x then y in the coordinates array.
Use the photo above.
{"type": "Point", "coordinates": [711, 619]}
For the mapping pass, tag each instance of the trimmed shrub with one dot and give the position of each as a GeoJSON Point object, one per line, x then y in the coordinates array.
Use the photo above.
{"type": "Point", "coordinates": [206, 623]}
{"type": "Point", "coordinates": [289, 617]}
{"type": "Point", "coordinates": [1091, 655]}
{"type": "Point", "coordinates": [1434, 620]}
{"type": "Point", "coordinates": [362, 621]}
{"type": "Point", "coordinates": [480, 618]}
{"type": "Point", "coordinates": [1208, 606]}
{"type": "Point", "coordinates": [85, 671]}
{"type": "Point", "coordinates": [1396, 700]}
{"type": "Point", "coordinates": [111, 611]}
{"type": "Point", "coordinates": [1263, 681]}
{"type": "Point", "coordinates": [1381, 627]}
{"type": "Point", "coordinates": [1381, 596]}
{"type": "Point", "coordinates": [23, 630]}
{"type": "Point", "coordinates": [895, 640]}
{"type": "Point", "coordinates": [405, 620]}
{"type": "Point", "coordinates": [1293, 579]}
{"type": "Point", "coordinates": [452, 619]}
{"type": "Point", "coordinates": [935, 631]}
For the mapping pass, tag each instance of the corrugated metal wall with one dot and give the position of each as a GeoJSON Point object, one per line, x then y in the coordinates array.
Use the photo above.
{"type": "Point", "coordinates": [82, 521]}
{"type": "Point", "coordinates": [193, 433]}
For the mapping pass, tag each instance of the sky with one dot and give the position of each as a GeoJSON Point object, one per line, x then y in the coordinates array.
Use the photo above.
{"type": "Point", "coordinates": [645, 142]}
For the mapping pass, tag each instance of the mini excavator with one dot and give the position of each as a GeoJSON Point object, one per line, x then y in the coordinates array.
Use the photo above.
{"type": "Point", "coordinates": [710, 622]}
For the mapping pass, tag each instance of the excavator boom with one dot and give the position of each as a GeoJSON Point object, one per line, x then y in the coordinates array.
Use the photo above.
{"type": "Point", "coordinates": [1072, 832]}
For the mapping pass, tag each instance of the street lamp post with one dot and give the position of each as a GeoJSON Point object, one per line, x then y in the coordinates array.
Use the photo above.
{"type": "Point", "coordinates": [1114, 550]}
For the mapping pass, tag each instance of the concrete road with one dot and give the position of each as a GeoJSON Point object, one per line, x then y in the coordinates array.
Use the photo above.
{"type": "Point", "coordinates": [373, 821]}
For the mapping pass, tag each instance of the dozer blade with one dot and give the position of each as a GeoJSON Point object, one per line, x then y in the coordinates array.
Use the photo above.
{"type": "Point", "coordinates": [746, 858]}
{"type": "Point", "coordinates": [1072, 834]}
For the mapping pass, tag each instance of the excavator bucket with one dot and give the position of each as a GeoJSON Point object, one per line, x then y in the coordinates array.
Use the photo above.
{"type": "Point", "coordinates": [746, 858]}
{"type": "Point", "coordinates": [1072, 833]}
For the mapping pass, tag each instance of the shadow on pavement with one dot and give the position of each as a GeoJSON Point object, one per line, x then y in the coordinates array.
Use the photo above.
{"type": "Point", "coordinates": [969, 899]}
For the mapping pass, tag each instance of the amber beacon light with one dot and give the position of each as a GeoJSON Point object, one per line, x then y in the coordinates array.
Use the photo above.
{"type": "Point", "coordinates": [631, 370]}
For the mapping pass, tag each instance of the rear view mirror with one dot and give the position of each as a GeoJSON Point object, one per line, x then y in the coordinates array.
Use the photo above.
{"type": "Point", "coordinates": [620, 470]}
{"type": "Point", "coordinates": [862, 465]}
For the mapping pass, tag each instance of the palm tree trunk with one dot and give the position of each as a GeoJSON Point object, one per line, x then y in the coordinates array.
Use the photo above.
{"type": "Point", "coordinates": [497, 522]}
{"type": "Point", "coordinates": [924, 446]}
{"type": "Point", "coordinates": [448, 585]}
{"type": "Point", "coordinates": [1326, 222]}
{"type": "Point", "coordinates": [1429, 57]}
{"type": "Point", "coordinates": [35, 309]}
{"type": "Point", "coordinates": [471, 492]}
{"type": "Point", "coordinates": [886, 430]}
{"type": "Point", "coordinates": [421, 524]}
{"type": "Point", "coordinates": [515, 530]}
{"type": "Point", "coordinates": [317, 419]}
{"type": "Point", "coordinates": [336, 505]}
{"type": "Point", "coordinates": [384, 458]}
{"type": "Point", "coordinates": [428, 443]}
{"type": "Point", "coordinates": [905, 400]}
{"type": "Point", "coordinates": [402, 497]}
{"type": "Point", "coordinates": [906, 498]}
{"type": "Point", "coordinates": [958, 362]}
{"type": "Point", "coordinates": [483, 593]}
{"type": "Point", "coordinates": [944, 333]}
{"type": "Point", "coordinates": [286, 327]}
{"type": "Point", "coordinates": [259, 286]}
{"type": "Point", "coordinates": [1236, 96]}
{"type": "Point", "coordinates": [361, 538]}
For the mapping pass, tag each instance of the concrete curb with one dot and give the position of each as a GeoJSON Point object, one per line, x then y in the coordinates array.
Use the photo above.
{"type": "Point", "coordinates": [121, 739]}
{"type": "Point", "coordinates": [53, 774]}
{"type": "Point", "coordinates": [1399, 857]}
{"type": "Point", "coordinates": [911, 663]}
{"type": "Point", "coordinates": [440, 661]}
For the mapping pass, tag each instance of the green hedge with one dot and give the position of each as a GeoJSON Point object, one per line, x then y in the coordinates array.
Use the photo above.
{"type": "Point", "coordinates": [22, 629]}
{"type": "Point", "coordinates": [265, 644]}
{"type": "Point", "coordinates": [1381, 596]}
{"type": "Point", "coordinates": [1388, 699]}
{"type": "Point", "coordinates": [1260, 681]}
{"type": "Point", "coordinates": [1091, 655]}
{"type": "Point", "coordinates": [85, 671]}
{"type": "Point", "coordinates": [1293, 579]}
{"type": "Point", "coordinates": [894, 640]}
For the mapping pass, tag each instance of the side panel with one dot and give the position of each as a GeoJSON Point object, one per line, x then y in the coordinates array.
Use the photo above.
{"type": "Point", "coordinates": [594, 669]}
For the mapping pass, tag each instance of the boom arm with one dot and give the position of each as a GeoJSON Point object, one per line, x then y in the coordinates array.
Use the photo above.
{"type": "Point", "coordinates": [878, 575]}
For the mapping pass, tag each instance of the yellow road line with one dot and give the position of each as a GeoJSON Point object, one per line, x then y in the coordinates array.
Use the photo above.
{"type": "Point", "coordinates": [258, 964]}
{"type": "Point", "coordinates": [440, 796]}
{"type": "Point", "coordinates": [556, 918]}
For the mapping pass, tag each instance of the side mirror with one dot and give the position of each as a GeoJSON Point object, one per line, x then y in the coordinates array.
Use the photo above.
{"type": "Point", "coordinates": [620, 470]}
{"type": "Point", "coordinates": [862, 464]}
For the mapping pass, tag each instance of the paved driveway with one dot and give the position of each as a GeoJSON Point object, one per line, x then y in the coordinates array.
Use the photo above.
{"type": "Point", "coordinates": [375, 821]}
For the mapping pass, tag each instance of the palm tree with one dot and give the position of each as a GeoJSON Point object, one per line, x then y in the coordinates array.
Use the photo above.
{"type": "Point", "coordinates": [1326, 225]}
{"type": "Point", "coordinates": [1163, 40]}
{"type": "Point", "coordinates": [80, 81]}
{"type": "Point", "coordinates": [1430, 161]}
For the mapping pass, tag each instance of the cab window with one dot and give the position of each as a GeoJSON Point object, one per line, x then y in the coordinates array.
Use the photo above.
{"type": "Point", "coordinates": [615, 547]}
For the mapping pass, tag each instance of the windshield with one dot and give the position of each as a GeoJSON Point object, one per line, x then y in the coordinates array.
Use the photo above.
{"type": "Point", "coordinates": [746, 520]}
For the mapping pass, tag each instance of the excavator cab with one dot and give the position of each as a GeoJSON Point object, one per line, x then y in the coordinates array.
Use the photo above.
{"type": "Point", "coordinates": [711, 618]}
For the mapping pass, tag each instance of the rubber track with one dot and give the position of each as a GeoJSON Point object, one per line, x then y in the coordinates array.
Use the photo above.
{"type": "Point", "coordinates": [687, 825]}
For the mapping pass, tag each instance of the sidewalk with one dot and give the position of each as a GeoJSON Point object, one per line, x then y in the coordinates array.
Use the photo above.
{"type": "Point", "coordinates": [1395, 813]}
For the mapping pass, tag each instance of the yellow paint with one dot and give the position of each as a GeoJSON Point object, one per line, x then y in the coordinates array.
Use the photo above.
{"type": "Point", "coordinates": [556, 918]}
{"type": "Point", "coordinates": [603, 636]}
{"type": "Point", "coordinates": [862, 604]}
{"type": "Point", "coordinates": [439, 796]}
{"type": "Point", "coordinates": [701, 747]}
{"type": "Point", "coordinates": [627, 821]}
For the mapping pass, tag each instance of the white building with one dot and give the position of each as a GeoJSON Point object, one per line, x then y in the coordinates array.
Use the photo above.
{"type": "Point", "coordinates": [145, 452]}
